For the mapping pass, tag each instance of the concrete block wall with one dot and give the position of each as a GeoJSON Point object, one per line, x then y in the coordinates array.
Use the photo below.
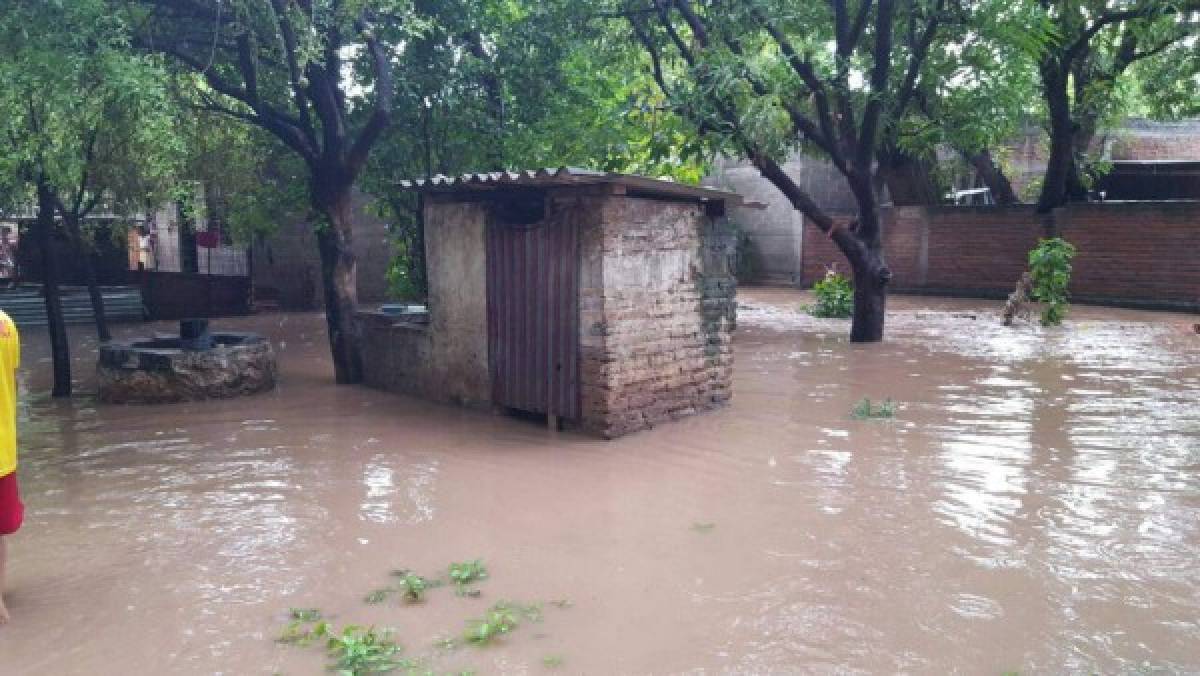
{"type": "Point", "coordinates": [656, 314]}
{"type": "Point", "coordinates": [287, 262]}
{"type": "Point", "coordinates": [447, 359]}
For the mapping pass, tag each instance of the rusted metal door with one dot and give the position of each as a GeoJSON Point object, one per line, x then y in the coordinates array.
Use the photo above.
{"type": "Point", "coordinates": [533, 316]}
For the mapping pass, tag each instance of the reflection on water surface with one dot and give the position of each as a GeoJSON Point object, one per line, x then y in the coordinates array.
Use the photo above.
{"type": "Point", "coordinates": [1034, 506]}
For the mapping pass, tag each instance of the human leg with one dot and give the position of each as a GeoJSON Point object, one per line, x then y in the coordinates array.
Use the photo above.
{"type": "Point", "coordinates": [4, 618]}
{"type": "Point", "coordinates": [12, 514]}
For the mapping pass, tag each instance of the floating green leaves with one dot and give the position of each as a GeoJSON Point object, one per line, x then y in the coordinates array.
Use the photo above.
{"type": "Point", "coordinates": [361, 649]}
{"type": "Point", "coordinates": [499, 620]}
{"type": "Point", "coordinates": [364, 650]}
{"type": "Point", "coordinates": [462, 575]}
{"type": "Point", "coordinates": [864, 410]}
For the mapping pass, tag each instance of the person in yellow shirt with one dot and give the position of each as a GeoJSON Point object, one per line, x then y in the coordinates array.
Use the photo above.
{"type": "Point", "coordinates": [12, 512]}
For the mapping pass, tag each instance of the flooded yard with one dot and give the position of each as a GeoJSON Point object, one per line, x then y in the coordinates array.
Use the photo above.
{"type": "Point", "coordinates": [1034, 506]}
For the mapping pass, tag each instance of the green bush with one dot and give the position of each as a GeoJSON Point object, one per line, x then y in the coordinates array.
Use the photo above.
{"type": "Point", "coordinates": [835, 297]}
{"type": "Point", "coordinates": [403, 278]}
{"type": "Point", "coordinates": [1050, 265]}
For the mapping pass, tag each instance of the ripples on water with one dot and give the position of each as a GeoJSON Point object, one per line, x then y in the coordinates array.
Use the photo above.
{"type": "Point", "coordinates": [1035, 505]}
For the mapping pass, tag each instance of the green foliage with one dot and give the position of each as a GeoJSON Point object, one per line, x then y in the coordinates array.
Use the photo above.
{"type": "Point", "coordinates": [1050, 265]}
{"type": "Point", "coordinates": [250, 184]}
{"type": "Point", "coordinates": [552, 661]}
{"type": "Point", "coordinates": [462, 575]}
{"type": "Point", "coordinates": [412, 587]}
{"type": "Point", "coordinates": [304, 626]}
{"type": "Point", "coordinates": [864, 410]}
{"type": "Point", "coordinates": [404, 278]}
{"type": "Point", "coordinates": [363, 650]}
{"type": "Point", "coordinates": [353, 651]}
{"type": "Point", "coordinates": [80, 112]}
{"type": "Point", "coordinates": [835, 297]}
{"type": "Point", "coordinates": [700, 527]}
{"type": "Point", "coordinates": [360, 649]}
{"type": "Point", "coordinates": [500, 619]}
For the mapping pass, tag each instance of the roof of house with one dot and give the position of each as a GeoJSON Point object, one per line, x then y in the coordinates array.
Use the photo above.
{"type": "Point", "coordinates": [635, 186]}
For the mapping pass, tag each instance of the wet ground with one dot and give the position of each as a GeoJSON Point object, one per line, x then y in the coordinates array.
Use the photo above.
{"type": "Point", "coordinates": [1034, 506]}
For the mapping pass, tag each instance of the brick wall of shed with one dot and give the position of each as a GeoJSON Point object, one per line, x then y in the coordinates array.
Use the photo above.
{"type": "Point", "coordinates": [656, 315]}
{"type": "Point", "coordinates": [1136, 254]}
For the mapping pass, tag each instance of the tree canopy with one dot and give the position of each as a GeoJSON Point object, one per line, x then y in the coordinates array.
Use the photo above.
{"type": "Point", "coordinates": [285, 107]}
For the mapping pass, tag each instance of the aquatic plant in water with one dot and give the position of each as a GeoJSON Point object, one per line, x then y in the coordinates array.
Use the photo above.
{"type": "Point", "coordinates": [864, 410]}
{"type": "Point", "coordinates": [363, 650]}
{"type": "Point", "coordinates": [305, 625]}
{"type": "Point", "coordinates": [462, 575]}
{"type": "Point", "coordinates": [411, 588]}
{"type": "Point", "coordinates": [354, 650]}
{"type": "Point", "coordinates": [499, 620]}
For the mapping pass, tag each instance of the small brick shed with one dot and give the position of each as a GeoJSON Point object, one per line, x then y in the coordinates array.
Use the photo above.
{"type": "Point", "coordinates": [604, 301]}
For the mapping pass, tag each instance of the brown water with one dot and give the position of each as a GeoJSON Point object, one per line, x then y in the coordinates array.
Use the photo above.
{"type": "Point", "coordinates": [1034, 506]}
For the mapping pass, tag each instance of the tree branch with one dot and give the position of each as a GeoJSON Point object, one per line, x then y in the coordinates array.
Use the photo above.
{"type": "Point", "coordinates": [808, 75]}
{"type": "Point", "coordinates": [381, 116]}
{"type": "Point", "coordinates": [299, 98]}
{"type": "Point", "coordinates": [880, 73]}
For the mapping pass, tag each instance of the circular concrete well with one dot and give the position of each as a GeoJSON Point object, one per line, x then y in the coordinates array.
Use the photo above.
{"type": "Point", "coordinates": [196, 367]}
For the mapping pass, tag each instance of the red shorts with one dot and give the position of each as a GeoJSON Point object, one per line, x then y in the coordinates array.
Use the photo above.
{"type": "Point", "coordinates": [12, 512]}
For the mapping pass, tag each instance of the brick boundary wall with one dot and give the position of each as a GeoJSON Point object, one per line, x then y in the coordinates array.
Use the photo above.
{"type": "Point", "coordinates": [1135, 254]}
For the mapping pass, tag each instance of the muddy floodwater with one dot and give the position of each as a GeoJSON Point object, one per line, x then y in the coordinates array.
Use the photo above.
{"type": "Point", "coordinates": [1034, 506]}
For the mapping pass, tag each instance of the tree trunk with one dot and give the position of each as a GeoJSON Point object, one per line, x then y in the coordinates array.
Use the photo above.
{"type": "Point", "coordinates": [861, 245]}
{"type": "Point", "coordinates": [55, 325]}
{"type": "Point", "coordinates": [993, 177]}
{"type": "Point", "coordinates": [89, 271]}
{"type": "Point", "coordinates": [98, 314]}
{"type": "Point", "coordinates": [340, 285]}
{"type": "Point", "coordinates": [1062, 139]}
{"type": "Point", "coordinates": [870, 304]}
{"type": "Point", "coordinates": [871, 276]}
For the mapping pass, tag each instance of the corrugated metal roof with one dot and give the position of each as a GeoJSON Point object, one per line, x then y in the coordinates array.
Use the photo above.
{"type": "Point", "coordinates": [637, 186]}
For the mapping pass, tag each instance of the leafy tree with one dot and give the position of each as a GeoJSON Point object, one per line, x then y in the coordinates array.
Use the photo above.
{"type": "Point", "coordinates": [495, 84]}
{"type": "Point", "coordinates": [251, 183]}
{"type": "Point", "coordinates": [85, 127]}
{"type": "Point", "coordinates": [318, 75]}
{"type": "Point", "coordinates": [765, 77]}
{"type": "Point", "coordinates": [981, 92]}
{"type": "Point", "coordinates": [1094, 44]}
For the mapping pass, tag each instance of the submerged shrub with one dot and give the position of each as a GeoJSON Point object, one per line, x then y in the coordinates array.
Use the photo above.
{"type": "Point", "coordinates": [1050, 264]}
{"type": "Point", "coordinates": [835, 297]}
